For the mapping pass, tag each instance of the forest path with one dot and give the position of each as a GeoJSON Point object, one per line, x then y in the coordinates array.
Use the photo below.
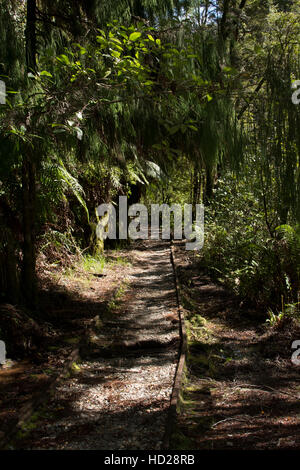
{"type": "Point", "coordinates": [120, 396]}
{"type": "Point", "coordinates": [242, 390]}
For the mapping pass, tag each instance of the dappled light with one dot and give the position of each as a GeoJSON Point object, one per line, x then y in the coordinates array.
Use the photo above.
{"type": "Point", "coordinates": [149, 226]}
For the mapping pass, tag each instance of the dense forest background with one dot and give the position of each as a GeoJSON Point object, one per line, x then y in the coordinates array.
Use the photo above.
{"type": "Point", "coordinates": [163, 101]}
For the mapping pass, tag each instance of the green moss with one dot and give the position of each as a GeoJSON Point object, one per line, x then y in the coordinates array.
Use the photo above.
{"type": "Point", "coordinates": [198, 321]}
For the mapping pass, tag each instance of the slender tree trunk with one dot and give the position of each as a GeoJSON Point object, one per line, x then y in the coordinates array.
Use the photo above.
{"type": "Point", "coordinates": [30, 36]}
{"type": "Point", "coordinates": [223, 22]}
{"type": "Point", "coordinates": [197, 189]}
{"type": "Point", "coordinates": [29, 177]}
{"type": "Point", "coordinates": [194, 192]}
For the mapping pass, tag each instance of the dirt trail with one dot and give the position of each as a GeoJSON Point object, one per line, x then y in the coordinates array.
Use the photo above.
{"type": "Point", "coordinates": [119, 398]}
{"type": "Point", "coordinates": [242, 391]}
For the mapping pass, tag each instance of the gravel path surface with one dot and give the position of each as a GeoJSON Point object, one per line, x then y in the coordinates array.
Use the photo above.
{"type": "Point", "coordinates": [120, 399]}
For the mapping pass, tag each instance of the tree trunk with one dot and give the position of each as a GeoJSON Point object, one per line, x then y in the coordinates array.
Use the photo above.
{"type": "Point", "coordinates": [29, 176]}
{"type": "Point", "coordinates": [30, 36]}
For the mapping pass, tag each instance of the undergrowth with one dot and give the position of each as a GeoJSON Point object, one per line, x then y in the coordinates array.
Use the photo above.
{"type": "Point", "coordinates": [259, 263]}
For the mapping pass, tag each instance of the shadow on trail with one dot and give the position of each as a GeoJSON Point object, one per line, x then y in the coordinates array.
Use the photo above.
{"type": "Point", "coordinates": [119, 394]}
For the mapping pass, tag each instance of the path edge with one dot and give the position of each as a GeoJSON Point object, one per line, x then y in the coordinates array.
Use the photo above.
{"type": "Point", "coordinates": [179, 374]}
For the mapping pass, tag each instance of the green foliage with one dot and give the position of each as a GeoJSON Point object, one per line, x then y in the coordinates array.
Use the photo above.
{"type": "Point", "coordinates": [240, 252]}
{"type": "Point", "coordinates": [74, 185]}
{"type": "Point", "coordinates": [165, 94]}
{"type": "Point", "coordinates": [236, 239]}
{"type": "Point", "coordinates": [270, 55]}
